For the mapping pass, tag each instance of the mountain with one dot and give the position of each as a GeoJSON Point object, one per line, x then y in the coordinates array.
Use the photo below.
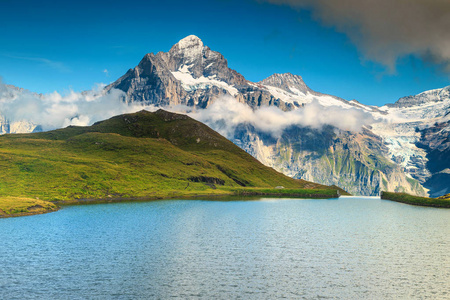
{"type": "Point", "coordinates": [144, 154]}
{"type": "Point", "coordinates": [416, 132]}
{"type": "Point", "coordinates": [387, 155]}
{"type": "Point", "coordinates": [402, 147]}
{"type": "Point", "coordinates": [17, 127]}
{"type": "Point", "coordinates": [435, 141]}
{"type": "Point", "coordinates": [356, 162]}
{"type": "Point", "coordinates": [406, 149]}
{"type": "Point", "coordinates": [190, 74]}
{"type": "Point", "coordinates": [426, 98]}
{"type": "Point", "coordinates": [292, 89]}
{"type": "Point", "coordinates": [194, 75]}
{"type": "Point", "coordinates": [9, 93]}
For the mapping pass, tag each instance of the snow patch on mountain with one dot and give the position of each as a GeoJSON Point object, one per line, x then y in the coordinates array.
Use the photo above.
{"type": "Point", "coordinates": [401, 125]}
{"type": "Point", "coordinates": [401, 139]}
{"type": "Point", "coordinates": [292, 89]}
{"type": "Point", "coordinates": [426, 97]}
{"type": "Point", "coordinates": [189, 83]}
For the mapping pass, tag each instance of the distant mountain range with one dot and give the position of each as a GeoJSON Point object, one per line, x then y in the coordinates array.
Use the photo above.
{"type": "Point", "coordinates": [401, 147]}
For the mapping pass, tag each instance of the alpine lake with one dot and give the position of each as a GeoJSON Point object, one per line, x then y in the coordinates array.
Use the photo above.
{"type": "Point", "coordinates": [264, 248]}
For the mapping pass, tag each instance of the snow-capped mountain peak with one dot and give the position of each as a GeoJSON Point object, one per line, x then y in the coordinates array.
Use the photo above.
{"type": "Point", "coordinates": [291, 88]}
{"type": "Point", "coordinates": [190, 48]}
{"type": "Point", "coordinates": [190, 41]}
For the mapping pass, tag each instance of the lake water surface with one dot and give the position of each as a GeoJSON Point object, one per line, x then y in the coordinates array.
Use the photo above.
{"type": "Point", "coordinates": [351, 248]}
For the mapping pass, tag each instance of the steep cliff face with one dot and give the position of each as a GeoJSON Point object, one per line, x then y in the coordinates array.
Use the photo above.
{"type": "Point", "coordinates": [354, 161]}
{"type": "Point", "coordinates": [189, 74]}
{"type": "Point", "coordinates": [435, 140]}
{"type": "Point", "coordinates": [151, 82]}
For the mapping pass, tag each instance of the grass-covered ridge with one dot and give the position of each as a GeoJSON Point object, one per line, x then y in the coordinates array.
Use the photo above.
{"type": "Point", "coordinates": [303, 193]}
{"type": "Point", "coordinates": [140, 155]}
{"type": "Point", "coordinates": [443, 201]}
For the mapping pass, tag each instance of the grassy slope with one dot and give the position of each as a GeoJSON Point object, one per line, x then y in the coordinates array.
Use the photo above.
{"type": "Point", "coordinates": [342, 192]}
{"type": "Point", "coordinates": [15, 206]}
{"type": "Point", "coordinates": [152, 155]}
{"type": "Point", "coordinates": [443, 201]}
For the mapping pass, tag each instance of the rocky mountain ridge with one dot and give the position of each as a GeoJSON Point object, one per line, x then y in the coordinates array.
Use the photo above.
{"type": "Point", "coordinates": [427, 97]}
{"type": "Point", "coordinates": [192, 74]}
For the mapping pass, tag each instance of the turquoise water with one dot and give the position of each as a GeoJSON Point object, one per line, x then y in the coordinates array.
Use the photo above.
{"type": "Point", "coordinates": [351, 248]}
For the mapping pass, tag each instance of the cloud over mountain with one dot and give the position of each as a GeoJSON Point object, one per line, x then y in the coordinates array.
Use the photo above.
{"type": "Point", "coordinates": [226, 113]}
{"type": "Point", "coordinates": [54, 110]}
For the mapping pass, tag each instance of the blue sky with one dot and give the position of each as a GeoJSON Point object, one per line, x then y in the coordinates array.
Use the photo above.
{"type": "Point", "coordinates": [47, 46]}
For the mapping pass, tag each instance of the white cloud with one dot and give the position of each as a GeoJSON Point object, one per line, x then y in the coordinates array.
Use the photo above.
{"type": "Point", "coordinates": [386, 30]}
{"type": "Point", "coordinates": [226, 113]}
{"type": "Point", "coordinates": [54, 110]}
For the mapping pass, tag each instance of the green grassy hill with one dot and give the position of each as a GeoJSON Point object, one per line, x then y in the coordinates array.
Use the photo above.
{"type": "Point", "coordinates": [148, 155]}
{"type": "Point", "coordinates": [443, 201]}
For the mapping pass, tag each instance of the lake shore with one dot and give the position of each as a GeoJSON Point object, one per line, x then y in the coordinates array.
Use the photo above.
{"type": "Point", "coordinates": [18, 207]}
{"type": "Point", "coordinates": [415, 200]}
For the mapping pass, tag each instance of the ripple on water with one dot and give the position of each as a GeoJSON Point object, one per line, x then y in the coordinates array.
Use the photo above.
{"type": "Point", "coordinates": [350, 248]}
